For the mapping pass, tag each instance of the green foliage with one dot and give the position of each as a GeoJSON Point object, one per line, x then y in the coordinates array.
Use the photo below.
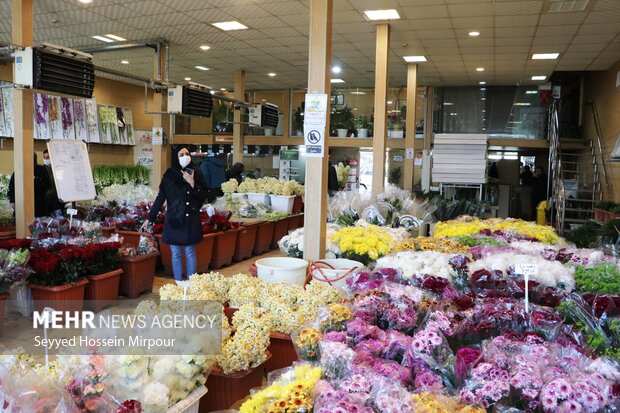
{"type": "Point", "coordinates": [476, 241]}
{"type": "Point", "coordinates": [598, 278]}
{"type": "Point", "coordinates": [4, 186]}
{"type": "Point", "coordinates": [394, 177]}
{"type": "Point", "coordinates": [586, 236]}
{"type": "Point", "coordinates": [609, 206]}
{"type": "Point", "coordinates": [343, 119]}
{"type": "Point", "coordinates": [105, 176]}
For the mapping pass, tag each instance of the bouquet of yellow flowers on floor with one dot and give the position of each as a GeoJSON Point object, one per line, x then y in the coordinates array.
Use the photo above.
{"type": "Point", "coordinates": [363, 244]}
{"type": "Point", "coordinates": [509, 229]}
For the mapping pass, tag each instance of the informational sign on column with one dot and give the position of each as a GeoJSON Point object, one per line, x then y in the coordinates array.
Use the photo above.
{"type": "Point", "coordinates": [315, 119]}
{"type": "Point", "coordinates": [158, 136]}
{"type": "Point", "coordinates": [143, 151]}
{"type": "Point", "coordinates": [314, 140]}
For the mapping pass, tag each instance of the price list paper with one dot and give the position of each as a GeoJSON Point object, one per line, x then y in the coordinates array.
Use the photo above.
{"type": "Point", "coordinates": [72, 172]}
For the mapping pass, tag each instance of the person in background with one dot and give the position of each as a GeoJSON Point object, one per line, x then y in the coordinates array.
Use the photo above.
{"type": "Point", "coordinates": [332, 179]}
{"type": "Point", "coordinates": [236, 172]}
{"type": "Point", "coordinates": [258, 173]}
{"type": "Point", "coordinates": [54, 204]}
{"type": "Point", "coordinates": [213, 170]}
{"type": "Point", "coordinates": [41, 186]}
{"type": "Point", "coordinates": [494, 171]}
{"type": "Point", "coordinates": [539, 187]}
{"type": "Point", "coordinates": [184, 190]}
{"type": "Point", "coordinates": [526, 176]}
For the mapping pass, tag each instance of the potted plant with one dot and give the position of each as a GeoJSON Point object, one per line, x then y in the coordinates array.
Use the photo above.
{"type": "Point", "coordinates": [298, 122]}
{"type": "Point", "coordinates": [138, 264]}
{"type": "Point", "coordinates": [343, 121]}
{"type": "Point", "coordinates": [104, 274]}
{"type": "Point", "coordinates": [222, 117]}
{"type": "Point", "coordinates": [362, 125]}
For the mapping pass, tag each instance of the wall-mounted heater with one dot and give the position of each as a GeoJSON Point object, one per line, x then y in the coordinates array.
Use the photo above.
{"type": "Point", "coordinates": [55, 69]}
{"type": "Point", "coordinates": [192, 99]}
{"type": "Point", "coordinates": [264, 115]}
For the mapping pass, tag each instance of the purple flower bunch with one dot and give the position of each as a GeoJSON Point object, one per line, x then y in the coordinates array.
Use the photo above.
{"type": "Point", "coordinates": [336, 359]}
{"type": "Point", "coordinates": [365, 281]}
{"type": "Point", "coordinates": [329, 400]}
{"type": "Point", "coordinates": [429, 342]}
{"type": "Point", "coordinates": [487, 386]}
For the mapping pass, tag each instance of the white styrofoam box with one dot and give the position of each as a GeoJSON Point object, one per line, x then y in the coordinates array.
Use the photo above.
{"type": "Point", "coordinates": [23, 67]}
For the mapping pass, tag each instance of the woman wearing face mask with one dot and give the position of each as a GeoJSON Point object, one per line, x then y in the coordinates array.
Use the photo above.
{"type": "Point", "coordinates": [184, 189]}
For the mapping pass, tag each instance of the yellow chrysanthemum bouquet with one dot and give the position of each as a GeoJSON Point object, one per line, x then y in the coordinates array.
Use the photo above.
{"type": "Point", "coordinates": [465, 226]}
{"type": "Point", "coordinates": [363, 244]}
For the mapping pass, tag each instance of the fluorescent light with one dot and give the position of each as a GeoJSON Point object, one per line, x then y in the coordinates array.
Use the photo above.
{"type": "Point", "coordinates": [205, 47]}
{"type": "Point", "coordinates": [480, 69]}
{"type": "Point", "coordinates": [202, 68]}
{"type": "Point", "coordinates": [448, 103]}
{"type": "Point", "coordinates": [531, 92]}
{"type": "Point", "coordinates": [336, 69]}
{"type": "Point", "coordinates": [495, 156]}
{"type": "Point", "coordinates": [231, 25]}
{"type": "Point", "coordinates": [125, 62]}
{"type": "Point", "coordinates": [115, 37]}
{"type": "Point", "coordinates": [223, 89]}
{"type": "Point", "coordinates": [357, 92]}
{"type": "Point", "coordinates": [511, 157]}
{"type": "Point", "coordinates": [389, 102]}
{"type": "Point", "coordinates": [271, 74]}
{"type": "Point", "coordinates": [483, 111]}
{"type": "Point", "coordinates": [483, 98]}
{"type": "Point", "coordinates": [483, 88]}
{"type": "Point", "coordinates": [545, 56]}
{"type": "Point", "coordinates": [412, 59]}
{"type": "Point", "coordinates": [103, 39]}
{"type": "Point", "coordinates": [337, 81]}
{"type": "Point", "coordinates": [536, 77]}
{"type": "Point", "coordinates": [474, 34]}
{"type": "Point", "coordinates": [387, 14]}
{"type": "Point", "coordinates": [188, 79]}
{"type": "Point", "coordinates": [453, 114]}
{"type": "Point", "coordinates": [482, 83]}
{"type": "Point", "coordinates": [86, 1]}
{"type": "Point", "coordinates": [523, 104]}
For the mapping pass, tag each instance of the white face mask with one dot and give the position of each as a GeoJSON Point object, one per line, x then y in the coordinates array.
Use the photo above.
{"type": "Point", "coordinates": [185, 160]}
{"type": "Point", "coordinates": [47, 162]}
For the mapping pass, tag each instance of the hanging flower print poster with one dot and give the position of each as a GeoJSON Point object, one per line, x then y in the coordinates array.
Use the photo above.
{"type": "Point", "coordinates": [2, 126]}
{"type": "Point", "coordinates": [104, 127]}
{"type": "Point", "coordinates": [112, 124]}
{"type": "Point", "coordinates": [7, 109]}
{"type": "Point", "coordinates": [79, 118]}
{"type": "Point", "coordinates": [66, 109]}
{"type": "Point", "coordinates": [130, 130]}
{"type": "Point", "coordinates": [122, 126]}
{"type": "Point", "coordinates": [55, 121]}
{"type": "Point", "coordinates": [92, 122]}
{"type": "Point", "coordinates": [41, 118]}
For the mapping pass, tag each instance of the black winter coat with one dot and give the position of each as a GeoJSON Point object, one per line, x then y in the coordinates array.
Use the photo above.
{"type": "Point", "coordinates": [182, 224]}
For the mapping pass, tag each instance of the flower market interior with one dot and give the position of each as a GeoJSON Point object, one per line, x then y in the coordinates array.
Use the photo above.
{"type": "Point", "coordinates": [304, 206]}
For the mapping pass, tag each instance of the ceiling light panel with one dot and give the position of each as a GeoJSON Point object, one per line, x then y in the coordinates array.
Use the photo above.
{"type": "Point", "coordinates": [386, 14]}
{"type": "Point", "coordinates": [115, 37]}
{"type": "Point", "coordinates": [545, 56]}
{"type": "Point", "coordinates": [230, 25]}
{"type": "Point", "coordinates": [414, 59]}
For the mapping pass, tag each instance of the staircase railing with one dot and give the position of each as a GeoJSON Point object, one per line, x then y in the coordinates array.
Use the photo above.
{"type": "Point", "coordinates": [601, 148]}
{"type": "Point", "coordinates": [557, 195]}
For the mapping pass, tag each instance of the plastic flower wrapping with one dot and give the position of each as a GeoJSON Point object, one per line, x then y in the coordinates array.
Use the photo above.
{"type": "Point", "coordinates": [363, 243]}
{"type": "Point", "coordinates": [342, 172]}
{"type": "Point", "coordinates": [126, 194]}
{"type": "Point", "coordinates": [506, 229]}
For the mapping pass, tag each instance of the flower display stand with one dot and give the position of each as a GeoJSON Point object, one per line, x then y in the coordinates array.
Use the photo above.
{"type": "Point", "coordinates": [138, 274]}
{"type": "Point", "coordinates": [3, 298]}
{"type": "Point", "coordinates": [132, 238]}
{"type": "Point", "coordinates": [226, 389]}
{"type": "Point", "coordinates": [204, 251]}
{"type": "Point", "coordinates": [256, 198]}
{"type": "Point", "coordinates": [295, 221]}
{"type": "Point", "coordinates": [191, 403]}
{"type": "Point", "coordinates": [224, 248]}
{"type": "Point", "coordinates": [7, 232]}
{"type": "Point", "coordinates": [264, 237]}
{"type": "Point", "coordinates": [102, 289]}
{"type": "Point", "coordinates": [280, 230]}
{"type": "Point", "coordinates": [282, 203]}
{"type": "Point", "coordinates": [108, 231]}
{"type": "Point", "coordinates": [68, 297]}
{"type": "Point", "coordinates": [245, 242]}
{"type": "Point", "coordinates": [282, 351]}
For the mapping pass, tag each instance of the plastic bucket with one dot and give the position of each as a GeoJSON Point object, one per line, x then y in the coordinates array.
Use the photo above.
{"type": "Point", "coordinates": [333, 271]}
{"type": "Point", "coordinates": [282, 269]}
{"type": "Point", "coordinates": [282, 203]}
{"type": "Point", "coordinates": [255, 198]}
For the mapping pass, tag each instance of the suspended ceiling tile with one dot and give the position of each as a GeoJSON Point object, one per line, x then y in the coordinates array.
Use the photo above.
{"type": "Point", "coordinates": [476, 42]}
{"type": "Point", "coordinates": [516, 21]}
{"type": "Point", "coordinates": [358, 38]}
{"type": "Point", "coordinates": [602, 64]}
{"type": "Point", "coordinates": [430, 24]}
{"type": "Point", "coordinates": [594, 38]}
{"type": "Point", "coordinates": [513, 41]}
{"type": "Point", "coordinates": [558, 42]}
{"type": "Point", "coordinates": [471, 9]}
{"type": "Point", "coordinates": [556, 19]}
{"type": "Point", "coordinates": [426, 12]}
{"type": "Point", "coordinates": [599, 28]}
{"type": "Point", "coordinates": [347, 16]}
{"type": "Point", "coordinates": [297, 20]}
{"type": "Point", "coordinates": [441, 43]}
{"type": "Point", "coordinates": [547, 31]}
{"type": "Point", "coordinates": [244, 35]}
{"type": "Point", "coordinates": [138, 22]}
{"type": "Point", "coordinates": [52, 34]}
{"type": "Point", "coordinates": [585, 48]}
{"type": "Point", "coordinates": [435, 34]}
{"type": "Point", "coordinates": [98, 28]}
{"type": "Point", "coordinates": [244, 13]}
{"type": "Point", "coordinates": [606, 5]}
{"type": "Point", "coordinates": [473, 23]}
{"type": "Point", "coordinates": [515, 31]}
{"type": "Point", "coordinates": [189, 5]}
{"type": "Point", "coordinates": [114, 12]}
{"type": "Point", "coordinates": [286, 9]}
{"type": "Point", "coordinates": [512, 8]}
{"type": "Point", "coordinates": [49, 6]}
{"type": "Point", "coordinates": [512, 49]}
{"type": "Point", "coordinates": [148, 7]}
{"type": "Point", "coordinates": [362, 27]}
{"type": "Point", "coordinates": [198, 28]}
{"type": "Point", "coordinates": [211, 16]}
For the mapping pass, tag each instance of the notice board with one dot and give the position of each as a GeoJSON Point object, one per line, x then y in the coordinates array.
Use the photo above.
{"type": "Point", "coordinates": [72, 172]}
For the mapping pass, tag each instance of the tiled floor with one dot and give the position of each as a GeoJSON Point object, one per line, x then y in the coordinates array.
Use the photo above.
{"type": "Point", "coordinates": [17, 328]}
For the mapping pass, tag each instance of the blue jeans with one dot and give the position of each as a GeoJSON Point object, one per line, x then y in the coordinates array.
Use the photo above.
{"type": "Point", "coordinates": [177, 260]}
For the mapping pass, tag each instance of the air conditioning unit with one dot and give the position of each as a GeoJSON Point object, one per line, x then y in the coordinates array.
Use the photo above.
{"type": "Point", "coordinates": [55, 69]}
{"type": "Point", "coordinates": [264, 115]}
{"type": "Point", "coordinates": [193, 100]}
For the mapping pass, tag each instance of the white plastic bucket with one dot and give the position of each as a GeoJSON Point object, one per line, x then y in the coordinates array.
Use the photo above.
{"type": "Point", "coordinates": [334, 271]}
{"type": "Point", "coordinates": [282, 203]}
{"type": "Point", "coordinates": [282, 269]}
{"type": "Point", "coordinates": [239, 197]}
{"type": "Point", "coordinates": [255, 198]}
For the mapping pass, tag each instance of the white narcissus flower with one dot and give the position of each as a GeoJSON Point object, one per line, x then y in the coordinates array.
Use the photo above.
{"type": "Point", "coordinates": [164, 367]}
{"type": "Point", "coordinates": [156, 394]}
{"type": "Point", "coordinates": [413, 263]}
